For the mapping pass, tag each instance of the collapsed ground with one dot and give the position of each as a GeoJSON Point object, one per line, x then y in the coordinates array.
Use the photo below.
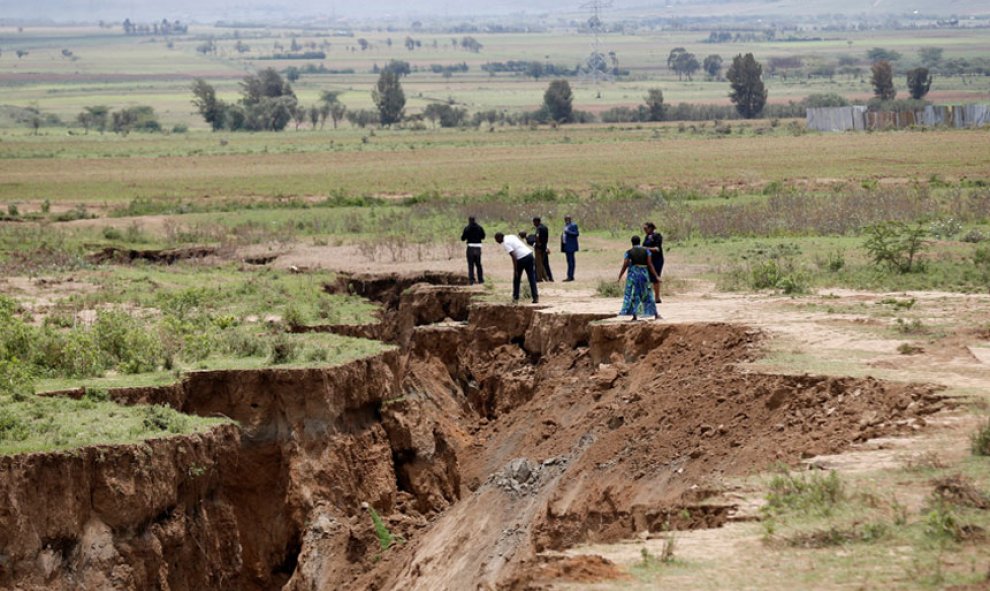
{"type": "Point", "coordinates": [492, 435]}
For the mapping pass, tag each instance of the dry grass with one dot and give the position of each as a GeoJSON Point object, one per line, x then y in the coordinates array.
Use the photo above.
{"type": "Point", "coordinates": [454, 165]}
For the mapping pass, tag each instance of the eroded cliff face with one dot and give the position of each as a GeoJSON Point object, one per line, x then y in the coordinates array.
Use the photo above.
{"type": "Point", "coordinates": [499, 432]}
{"type": "Point", "coordinates": [122, 517]}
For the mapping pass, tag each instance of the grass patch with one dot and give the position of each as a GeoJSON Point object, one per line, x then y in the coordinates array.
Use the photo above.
{"type": "Point", "coordinates": [44, 424]}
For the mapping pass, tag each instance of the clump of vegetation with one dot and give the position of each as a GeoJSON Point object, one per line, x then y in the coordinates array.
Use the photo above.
{"type": "Point", "coordinates": [813, 495]}
{"type": "Point", "coordinates": [980, 440]}
{"type": "Point", "coordinates": [385, 537]}
{"type": "Point", "coordinates": [896, 246]}
{"type": "Point", "coordinates": [160, 417]}
{"type": "Point", "coordinates": [282, 349]}
{"type": "Point", "coordinates": [771, 267]}
{"type": "Point", "coordinates": [609, 289]}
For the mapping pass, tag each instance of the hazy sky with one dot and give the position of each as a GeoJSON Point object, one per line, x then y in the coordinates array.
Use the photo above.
{"type": "Point", "coordinates": [215, 9]}
{"type": "Point", "coordinates": [402, 10]}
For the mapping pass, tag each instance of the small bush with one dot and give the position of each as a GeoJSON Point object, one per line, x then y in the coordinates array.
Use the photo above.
{"type": "Point", "coordinates": [832, 262]}
{"type": "Point", "coordinates": [974, 236]}
{"type": "Point", "coordinates": [896, 245]}
{"type": "Point", "coordinates": [815, 494]}
{"type": "Point", "coordinates": [913, 326]}
{"type": "Point", "coordinates": [243, 342]}
{"type": "Point", "coordinates": [159, 417]}
{"type": "Point", "coordinates": [16, 380]}
{"type": "Point", "coordinates": [610, 289]}
{"type": "Point", "coordinates": [111, 233]}
{"type": "Point", "coordinates": [898, 304]}
{"type": "Point", "coordinates": [293, 316]}
{"type": "Point", "coordinates": [980, 440]}
{"type": "Point", "coordinates": [282, 349]}
{"type": "Point", "coordinates": [944, 229]}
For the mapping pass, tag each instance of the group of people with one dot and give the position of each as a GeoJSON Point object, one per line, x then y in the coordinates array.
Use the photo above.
{"type": "Point", "coordinates": [530, 256]}
{"type": "Point", "coordinates": [530, 253]}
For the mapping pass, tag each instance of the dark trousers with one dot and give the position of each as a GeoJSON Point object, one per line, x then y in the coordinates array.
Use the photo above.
{"type": "Point", "coordinates": [527, 264]}
{"type": "Point", "coordinates": [570, 265]}
{"type": "Point", "coordinates": [474, 261]}
{"type": "Point", "coordinates": [545, 262]}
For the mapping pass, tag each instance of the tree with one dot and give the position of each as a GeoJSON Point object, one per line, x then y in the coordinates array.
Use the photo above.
{"type": "Point", "coordinates": [337, 112]}
{"type": "Point", "coordinates": [324, 112]}
{"type": "Point", "coordinates": [95, 117]}
{"type": "Point", "coordinates": [930, 56]}
{"type": "Point", "coordinates": [558, 101]}
{"type": "Point", "coordinates": [655, 108]}
{"type": "Point", "coordinates": [745, 77]}
{"type": "Point", "coordinates": [400, 67]}
{"type": "Point", "coordinates": [389, 97]}
{"type": "Point", "coordinates": [471, 44]}
{"type": "Point", "coordinates": [883, 80]}
{"type": "Point", "coordinates": [919, 82]}
{"type": "Point", "coordinates": [878, 53]}
{"type": "Point", "coordinates": [299, 114]}
{"type": "Point", "coordinates": [314, 116]}
{"type": "Point", "coordinates": [209, 106]}
{"type": "Point", "coordinates": [686, 64]}
{"type": "Point", "coordinates": [672, 57]}
{"type": "Point", "coordinates": [713, 66]}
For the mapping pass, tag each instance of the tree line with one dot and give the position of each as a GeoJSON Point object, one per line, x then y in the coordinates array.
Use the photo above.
{"type": "Point", "coordinates": [268, 102]}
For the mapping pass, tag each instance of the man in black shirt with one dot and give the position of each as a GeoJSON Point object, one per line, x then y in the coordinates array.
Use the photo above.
{"type": "Point", "coordinates": [542, 251]}
{"type": "Point", "coordinates": [474, 235]}
{"type": "Point", "coordinates": [654, 243]}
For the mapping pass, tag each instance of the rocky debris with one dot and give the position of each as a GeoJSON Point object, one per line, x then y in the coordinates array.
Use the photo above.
{"type": "Point", "coordinates": [523, 477]}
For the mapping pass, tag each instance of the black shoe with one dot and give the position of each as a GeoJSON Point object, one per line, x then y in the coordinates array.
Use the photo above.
{"type": "Point", "coordinates": [569, 279]}
{"type": "Point", "coordinates": [536, 300]}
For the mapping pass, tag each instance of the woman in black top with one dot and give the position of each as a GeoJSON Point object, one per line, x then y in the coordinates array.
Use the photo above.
{"type": "Point", "coordinates": [654, 243]}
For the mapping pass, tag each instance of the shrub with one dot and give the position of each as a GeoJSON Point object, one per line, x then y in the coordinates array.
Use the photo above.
{"type": "Point", "coordinates": [159, 417]}
{"type": "Point", "coordinates": [126, 342]}
{"type": "Point", "coordinates": [111, 233]}
{"type": "Point", "coordinates": [896, 245]}
{"type": "Point", "coordinates": [775, 267]}
{"type": "Point", "coordinates": [981, 260]}
{"type": "Point", "coordinates": [980, 440]}
{"type": "Point", "coordinates": [610, 289]}
{"type": "Point", "coordinates": [974, 236]}
{"type": "Point", "coordinates": [814, 494]}
{"type": "Point", "coordinates": [243, 342]}
{"type": "Point", "coordinates": [945, 228]}
{"type": "Point", "coordinates": [16, 380]}
{"type": "Point", "coordinates": [293, 316]}
{"type": "Point", "coordinates": [282, 349]}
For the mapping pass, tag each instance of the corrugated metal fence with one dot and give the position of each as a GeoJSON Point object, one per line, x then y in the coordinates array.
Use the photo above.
{"type": "Point", "coordinates": [846, 118]}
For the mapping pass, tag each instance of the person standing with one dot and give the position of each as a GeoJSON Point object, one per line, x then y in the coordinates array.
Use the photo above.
{"type": "Point", "coordinates": [654, 243]}
{"type": "Point", "coordinates": [522, 261]}
{"type": "Point", "coordinates": [569, 245]}
{"type": "Point", "coordinates": [638, 298]}
{"type": "Point", "coordinates": [542, 248]}
{"type": "Point", "coordinates": [474, 235]}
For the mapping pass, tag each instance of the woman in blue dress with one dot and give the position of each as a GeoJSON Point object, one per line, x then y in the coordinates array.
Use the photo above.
{"type": "Point", "coordinates": [638, 299]}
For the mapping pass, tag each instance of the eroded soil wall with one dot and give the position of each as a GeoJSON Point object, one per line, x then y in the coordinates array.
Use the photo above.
{"type": "Point", "coordinates": [480, 443]}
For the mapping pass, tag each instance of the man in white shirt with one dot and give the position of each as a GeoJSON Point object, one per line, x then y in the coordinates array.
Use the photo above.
{"type": "Point", "coordinates": [522, 260]}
